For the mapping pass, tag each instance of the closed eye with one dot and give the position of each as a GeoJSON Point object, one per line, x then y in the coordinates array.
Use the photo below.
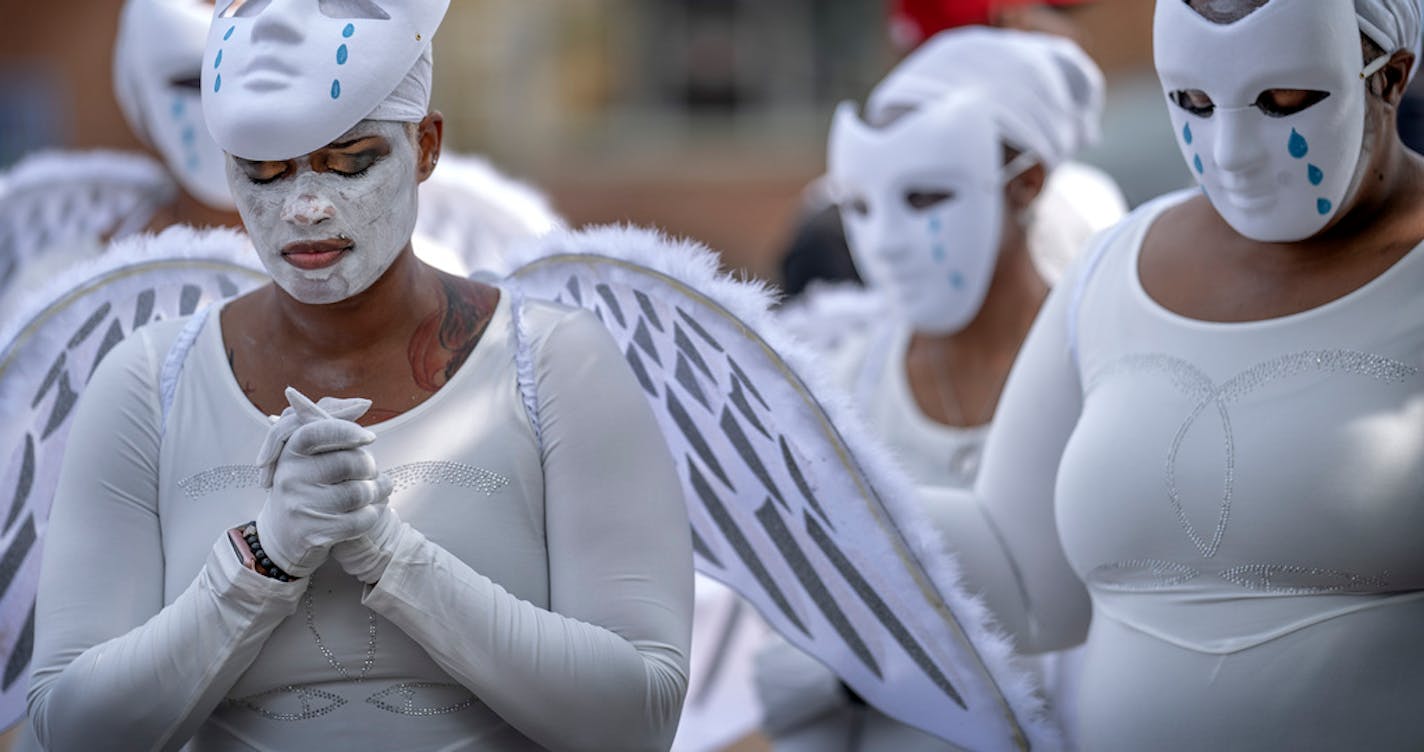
{"type": "Point", "coordinates": [1194, 101]}
{"type": "Point", "coordinates": [1278, 103]}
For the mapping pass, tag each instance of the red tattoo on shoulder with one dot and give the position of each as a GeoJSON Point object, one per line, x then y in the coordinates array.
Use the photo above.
{"type": "Point", "coordinates": [445, 339]}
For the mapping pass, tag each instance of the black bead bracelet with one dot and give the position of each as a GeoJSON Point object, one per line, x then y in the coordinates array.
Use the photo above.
{"type": "Point", "coordinates": [262, 562]}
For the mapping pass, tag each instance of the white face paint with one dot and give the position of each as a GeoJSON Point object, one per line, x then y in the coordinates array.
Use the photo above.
{"type": "Point", "coordinates": [286, 77]}
{"type": "Point", "coordinates": [326, 236]}
{"type": "Point", "coordinates": [157, 64]}
{"type": "Point", "coordinates": [1274, 173]}
{"type": "Point", "coordinates": [922, 202]}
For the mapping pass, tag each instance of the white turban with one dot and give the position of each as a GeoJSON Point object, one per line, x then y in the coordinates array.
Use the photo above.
{"type": "Point", "coordinates": [1048, 94]}
{"type": "Point", "coordinates": [1392, 24]}
{"type": "Point", "coordinates": [410, 102]}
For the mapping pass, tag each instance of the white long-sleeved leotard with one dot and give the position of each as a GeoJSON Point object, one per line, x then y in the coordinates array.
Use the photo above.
{"type": "Point", "coordinates": [1242, 501]}
{"type": "Point", "coordinates": [537, 601]}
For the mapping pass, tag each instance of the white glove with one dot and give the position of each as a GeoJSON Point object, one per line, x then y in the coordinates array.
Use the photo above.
{"type": "Point", "coordinates": [366, 556]}
{"type": "Point", "coordinates": [284, 425]}
{"type": "Point", "coordinates": [322, 489]}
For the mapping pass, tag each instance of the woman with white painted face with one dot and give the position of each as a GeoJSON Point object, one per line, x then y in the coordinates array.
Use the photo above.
{"type": "Point", "coordinates": [937, 188]}
{"type": "Point", "coordinates": [1210, 440]}
{"type": "Point", "coordinates": [486, 588]}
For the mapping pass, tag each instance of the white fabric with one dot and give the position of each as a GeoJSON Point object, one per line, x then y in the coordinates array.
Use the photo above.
{"type": "Point", "coordinates": [158, 50]}
{"type": "Point", "coordinates": [1392, 24]}
{"type": "Point", "coordinates": [283, 78]}
{"type": "Point", "coordinates": [1048, 93]}
{"type": "Point", "coordinates": [555, 587]}
{"type": "Point", "coordinates": [1242, 501]}
{"type": "Point", "coordinates": [1077, 202]}
{"type": "Point", "coordinates": [934, 262]}
{"type": "Point", "coordinates": [1272, 178]}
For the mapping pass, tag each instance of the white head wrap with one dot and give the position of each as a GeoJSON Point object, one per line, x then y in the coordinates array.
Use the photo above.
{"type": "Point", "coordinates": [410, 102]}
{"type": "Point", "coordinates": [1392, 24]}
{"type": "Point", "coordinates": [1048, 92]}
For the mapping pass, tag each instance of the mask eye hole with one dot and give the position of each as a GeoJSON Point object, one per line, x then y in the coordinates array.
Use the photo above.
{"type": "Point", "coordinates": [919, 200]}
{"type": "Point", "coordinates": [1278, 103]}
{"type": "Point", "coordinates": [1194, 101]}
{"type": "Point", "coordinates": [352, 9]}
{"type": "Point", "coordinates": [187, 82]}
{"type": "Point", "coordinates": [245, 8]}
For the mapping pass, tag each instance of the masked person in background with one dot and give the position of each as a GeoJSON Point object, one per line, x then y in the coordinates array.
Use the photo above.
{"type": "Point", "coordinates": [818, 252]}
{"type": "Point", "coordinates": [494, 588]}
{"type": "Point", "coordinates": [1209, 440]}
{"type": "Point", "coordinates": [941, 191]}
{"type": "Point", "coordinates": [61, 208]}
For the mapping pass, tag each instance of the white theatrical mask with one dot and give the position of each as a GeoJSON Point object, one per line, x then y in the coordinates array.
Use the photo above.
{"type": "Point", "coordinates": [286, 77]}
{"type": "Point", "coordinates": [325, 236]}
{"type": "Point", "coordinates": [157, 64]}
{"type": "Point", "coordinates": [1274, 175]}
{"type": "Point", "coordinates": [922, 202]}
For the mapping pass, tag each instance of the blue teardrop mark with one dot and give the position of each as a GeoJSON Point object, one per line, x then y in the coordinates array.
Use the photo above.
{"type": "Point", "coordinates": [1187, 133]}
{"type": "Point", "coordinates": [230, 30]}
{"type": "Point", "coordinates": [193, 163]}
{"type": "Point", "coordinates": [348, 31]}
{"type": "Point", "coordinates": [1315, 174]}
{"type": "Point", "coordinates": [218, 60]}
{"type": "Point", "coordinates": [335, 88]}
{"type": "Point", "coordinates": [1197, 163]}
{"type": "Point", "coordinates": [341, 55]}
{"type": "Point", "coordinates": [217, 83]}
{"type": "Point", "coordinates": [956, 280]}
{"type": "Point", "coordinates": [939, 252]}
{"type": "Point", "coordinates": [179, 106]}
{"type": "Point", "coordinates": [1323, 205]}
{"type": "Point", "coordinates": [189, 135]}
{"type": "Point", "coordinates": [1298, 145]}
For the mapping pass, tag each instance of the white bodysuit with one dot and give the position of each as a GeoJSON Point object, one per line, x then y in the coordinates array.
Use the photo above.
{"type": "Point", "coordinates": [1242, 500]}
{"type": "Point", "coordinates": [544, 602]}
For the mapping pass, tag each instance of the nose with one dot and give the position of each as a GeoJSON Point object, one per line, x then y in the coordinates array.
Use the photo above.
{"type": "Point", "coordinates": [278, 23]}
{"type": "Point", "coordinates": [1238, 149]}
{"type": "Point", "coordinates": [307, 208]}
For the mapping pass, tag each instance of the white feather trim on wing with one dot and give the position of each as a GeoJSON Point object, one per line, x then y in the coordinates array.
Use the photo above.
{"type": "Point", "coordinates": [750, 301]}
{"type": "Point", "coordinates": [471, 213]}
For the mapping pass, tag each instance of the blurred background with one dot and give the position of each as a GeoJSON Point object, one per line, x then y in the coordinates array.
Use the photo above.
{"type": "Point", "coordinates": [706, 118]}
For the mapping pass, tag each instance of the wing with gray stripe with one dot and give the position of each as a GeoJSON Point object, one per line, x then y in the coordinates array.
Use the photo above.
{"type": "Point", "coordinates": [46, 359]}
{"type": "Point", "coordinates": [783, 510]}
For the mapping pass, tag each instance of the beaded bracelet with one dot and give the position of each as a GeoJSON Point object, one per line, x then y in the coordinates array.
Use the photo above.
{"type": "Point", "coordinates": [251, 553]}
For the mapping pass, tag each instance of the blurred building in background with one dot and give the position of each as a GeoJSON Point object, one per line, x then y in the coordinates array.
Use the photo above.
{"type": "Point", "coordinates": [703, 117]}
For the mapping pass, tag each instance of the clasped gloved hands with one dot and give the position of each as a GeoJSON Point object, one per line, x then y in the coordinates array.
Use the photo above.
{"type": "Point", "coordinates": [325, 491]}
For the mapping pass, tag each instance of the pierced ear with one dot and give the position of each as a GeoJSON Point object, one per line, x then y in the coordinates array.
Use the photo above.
{"type": "Point", "coordinates": [429, 136]}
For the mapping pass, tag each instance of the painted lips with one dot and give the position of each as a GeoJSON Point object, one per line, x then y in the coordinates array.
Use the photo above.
{"type": "Point", "coordinates": [315, 254]}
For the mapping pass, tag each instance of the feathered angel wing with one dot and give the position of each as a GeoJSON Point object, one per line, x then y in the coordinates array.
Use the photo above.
{"type": "Point", "coordinates": [471, 213]}
{"type": "Point", "coordinates": [68, 199]}
{"type": "Point", "coordinates": [47, 355]}
{"type": "Point", "coordinates": [792, 504]}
